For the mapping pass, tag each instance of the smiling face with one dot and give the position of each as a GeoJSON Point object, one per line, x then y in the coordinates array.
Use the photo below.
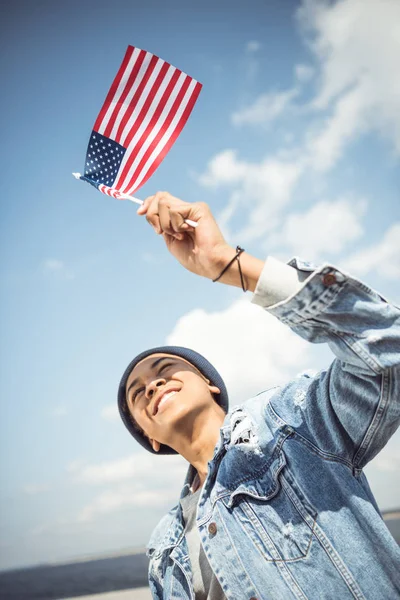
{"type": "Point", "coordinates": [164, 394]}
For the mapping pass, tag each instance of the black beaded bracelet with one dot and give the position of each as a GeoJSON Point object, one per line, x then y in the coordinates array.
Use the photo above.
{"type": "Point", "coordinates": [239, 251]}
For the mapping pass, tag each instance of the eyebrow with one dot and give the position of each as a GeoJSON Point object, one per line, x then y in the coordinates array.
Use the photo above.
{"type": "Point", "coordinates": [152, 366]}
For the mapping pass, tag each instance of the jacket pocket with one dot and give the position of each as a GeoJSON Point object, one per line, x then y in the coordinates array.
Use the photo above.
{"type": "Point", "coordinates": [273, 514]}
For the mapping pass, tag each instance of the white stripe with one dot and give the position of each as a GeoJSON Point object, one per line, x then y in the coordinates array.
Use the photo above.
{"type": "Point", "coordinates": [165, 137]}
{"type": "Point", "coordinates": [150, 137]}
{"type": "Point", "coordinates": [132, 91]}
{"type": "Point", "coordinates": [120, 90]}
{"type": "Point", "coordinates": [151, 109]}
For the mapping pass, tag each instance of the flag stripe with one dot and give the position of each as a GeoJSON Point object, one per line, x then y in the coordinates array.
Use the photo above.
{"type": "Point", "coordinates": [142, 92]}
{"type": "Point", "coordinates": [144, 112]}
{"type": "Point", "coordinates": [141, 136]}
{"type": "Point", "coordinates": [170, 141]}
{"type": "Point", "coordinates": [165, 132]}
{"type": "Point", "coordinates": [115, 85]}
{"type": "Point", "coordinates": [134, 79]}
{"type": "Point", "coordinates": [110, 191]}
{"type": "Point", "coordinates": [134, 161]}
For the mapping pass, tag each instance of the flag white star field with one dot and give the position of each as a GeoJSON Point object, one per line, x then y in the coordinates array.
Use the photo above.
{"type": "Point", "coordinates": [145, 110]}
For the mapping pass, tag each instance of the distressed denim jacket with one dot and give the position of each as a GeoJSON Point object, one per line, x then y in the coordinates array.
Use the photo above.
{"type": "Point", "coordinates": [286, 511]}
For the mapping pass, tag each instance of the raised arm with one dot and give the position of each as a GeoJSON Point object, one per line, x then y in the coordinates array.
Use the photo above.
{"type": "Point", "coordinates": [353, 408]}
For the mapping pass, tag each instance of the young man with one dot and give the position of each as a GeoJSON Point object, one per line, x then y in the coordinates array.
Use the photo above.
{"type": "Point", "coordinates": [275, 504]}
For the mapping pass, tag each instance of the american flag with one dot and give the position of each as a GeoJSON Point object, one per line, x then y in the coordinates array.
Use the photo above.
{"type": "Point", "coordinates": [145, 110]}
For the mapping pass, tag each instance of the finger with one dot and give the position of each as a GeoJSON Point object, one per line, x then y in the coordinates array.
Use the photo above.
{"type": "Point", "coordinates": [164, 214]}
{"type": "Point", "coordinates": [152, 214]}
{"type": "Point", "coordinates": [143, 208]}
{"type": "Point", "coordinates": [177, 220]}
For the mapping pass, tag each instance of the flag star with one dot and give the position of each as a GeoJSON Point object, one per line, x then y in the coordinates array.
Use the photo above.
{"type": "Point", "coordinates": [109, 144]}
{"type": "Point", "coordinates": [96, 144]}
{"type": "Point", "coordinates": [112, 151]}
{"type": "Point", "coordinates": [108, 160]}
{"type": "Point", "coordinates": [103, 160]}
{"type": "Point", "coordinates": [91, 145]}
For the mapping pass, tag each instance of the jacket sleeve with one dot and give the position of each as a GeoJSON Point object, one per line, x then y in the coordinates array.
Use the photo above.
{"type": "Point", "coordinates": [355, 404]}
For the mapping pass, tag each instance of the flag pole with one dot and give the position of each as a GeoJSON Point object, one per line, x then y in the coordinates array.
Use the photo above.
{"type": "Point", "coordinates": [137, 201]}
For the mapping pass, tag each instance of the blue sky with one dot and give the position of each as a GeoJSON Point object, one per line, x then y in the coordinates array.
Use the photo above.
{"type": "Point", "coordinates": [294, 142]}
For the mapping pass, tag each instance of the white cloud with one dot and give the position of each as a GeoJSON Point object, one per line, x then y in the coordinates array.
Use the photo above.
{"type": "Point", "coordinates": [383, 257]}
{"type": "Point", "coordinates": [264, 109]}
{"type": "Point", "coordinates": [356, 44]}
{"type": "Point", "coordinates": [53, 264]}
{"type": "Point", "coordinates": [325, 229]}
{"type": "Point", "coordinates": [224, 168]}
{"type": "Point", "coordinates": [140, 466]}
{"type": "Point", "coordinates": [304, 72]}
{"type": "Point", "coordinates": [59, 411]}
{"type": "Point", "coordinates": [110, 412]}
{"type": "Point", "coordinates": [387, 462]}
{"type": "Point", "coordinates": [253, 46]}
{"type": "Point", "coordinates": [251, 349]}
{"type": "Point", "coordinates": [58, 268]}
{"type": "Point", "coordinates": [127, 496]}
{"type": "Point", "coordinates": [326, 147]}
{"type": "Point", "coordinates": [32, 489]}
{"type": "Point", "coordinates": [140, 480]}
{"type": "Point", "coordinates": [261, 191]}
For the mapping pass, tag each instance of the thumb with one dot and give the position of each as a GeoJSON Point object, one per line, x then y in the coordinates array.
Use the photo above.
{"type": "Point", "coordinates": [180, 212]}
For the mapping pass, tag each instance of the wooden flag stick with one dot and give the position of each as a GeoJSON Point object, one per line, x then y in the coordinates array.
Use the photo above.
{"type": "Point", "coordinates": [137, 201]}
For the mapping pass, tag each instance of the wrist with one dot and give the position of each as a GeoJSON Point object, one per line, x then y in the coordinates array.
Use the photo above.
{"type": "Point", "coordinates": [250, 267]}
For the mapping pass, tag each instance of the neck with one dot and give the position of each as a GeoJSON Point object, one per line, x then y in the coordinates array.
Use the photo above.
{"type": "Point", "coordinates": [197, 444]}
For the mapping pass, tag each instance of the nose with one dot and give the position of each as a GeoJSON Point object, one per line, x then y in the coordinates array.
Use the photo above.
{"type": "Point", "coordinates": [152, 387]}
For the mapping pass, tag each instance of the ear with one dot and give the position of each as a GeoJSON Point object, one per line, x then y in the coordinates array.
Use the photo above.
{"type": "Point", "coordinates": [213, 389]}
{"type": "Point", "coordinates": [156, 445]}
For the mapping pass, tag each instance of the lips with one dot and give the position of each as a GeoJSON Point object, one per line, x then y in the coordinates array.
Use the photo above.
{"type": "Point", "coordinates": [163, 398]}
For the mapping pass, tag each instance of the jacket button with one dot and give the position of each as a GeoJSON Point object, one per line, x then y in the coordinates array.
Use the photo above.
{"type": "Point", "coordinates": [329, 279]}
{"type": "Point", "coordinates": [212, 528]}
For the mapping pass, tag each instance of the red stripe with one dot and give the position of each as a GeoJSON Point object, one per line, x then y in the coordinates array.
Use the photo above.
{"type": "Point", "coordinates": [172, 139]}
{"type": "Point", "coordinates": [113, 87]}
{"type": "Point", "coordinates": [156, 115]}
{"type": "Point", "coordinates": [140, 118]}
{"type": "Point", "coordinates": [135, 99]}
{"type": "Point", "coordinates": [128, 85]}
{"type": "Point", "coordinates": [166, 124]}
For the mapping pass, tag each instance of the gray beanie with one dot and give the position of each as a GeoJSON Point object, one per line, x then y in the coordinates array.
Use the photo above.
{"type": "Point", "coordinates": [197, 360]}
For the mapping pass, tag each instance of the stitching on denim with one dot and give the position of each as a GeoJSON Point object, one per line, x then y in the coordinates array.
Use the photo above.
{"type": "Point", "coordinates": [317, 306]}
{"type": "Point", "coordinates": [281, 563]}
{"type": "Point", "coordinates": [295, 434]}
{"type": "Point", "coordinates": [376, 419]}
{"type": "Point", "coordinates": [190, 586]}
{"type": "Point", "coordinates": [328, 456]}
{"type": "Point", "coordinates": [233, 546]}
{"type": "Point", "coordinates": [336, 560]}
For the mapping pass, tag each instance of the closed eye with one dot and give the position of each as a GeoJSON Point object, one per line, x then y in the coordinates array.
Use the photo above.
{"type": "Point", "coordinates": [136, 392]}
{"type": "Point", "coordinates": [142, 389]}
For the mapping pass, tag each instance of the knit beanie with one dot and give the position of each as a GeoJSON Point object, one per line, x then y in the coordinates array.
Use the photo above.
{"type": "Point", "coordinates": [197, 360]}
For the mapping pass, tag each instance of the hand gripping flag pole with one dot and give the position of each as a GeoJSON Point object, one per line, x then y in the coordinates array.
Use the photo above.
{"type": "Point", "coordinates": [145, 110]}
{"type": "Point", "coordinates": [133, 199]}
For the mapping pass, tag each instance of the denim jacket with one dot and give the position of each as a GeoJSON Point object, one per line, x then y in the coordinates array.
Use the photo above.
{"type": "Point", "coordinates": [286, 511]}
